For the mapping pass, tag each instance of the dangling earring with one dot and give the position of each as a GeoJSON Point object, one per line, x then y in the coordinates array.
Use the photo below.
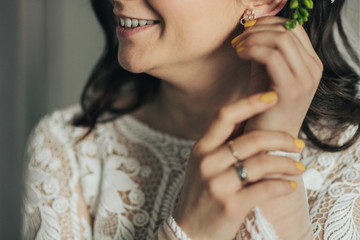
{"type": "Point", "coordinates": [248, 15]}
{"type": "Point", "coordinates": [248, 19]}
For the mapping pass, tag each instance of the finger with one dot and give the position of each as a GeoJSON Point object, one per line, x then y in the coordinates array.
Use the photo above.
{"type": "Point", "coordinates": [302, 65]}
{"type": "Point", "coordinates": [225, 184]}
{"type": "Point", "coordinates": [285, 43]}
{"type": "Point", "coordinates": [274, 62]}
{"type": "Point", "coordinates": [263, 191]}
{"type": "Point", "coordinates": [301, 62]}
{"type": "Point", "coordinates": [231, 115]}
{"type": "Point", "coordinates": [248, 145]}
{"type": "Point", "coordinates": [285, 67]}
{"type": "Point", "coordinates": [298, 31]}
{"type": "Point", "coordinates": [256, 28]}
{"type": "Point", "coordinates": [259, 167]}
{"type": "Point", "coordinates": [275, 28]}
{"type": "Point", "coordinates": [265, 165]}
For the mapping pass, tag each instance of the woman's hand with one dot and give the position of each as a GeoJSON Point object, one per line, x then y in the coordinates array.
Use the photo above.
{"type": "Point", "coordinates": [283, 61]}
{"type": "Point", "coordinates": [214, 202]}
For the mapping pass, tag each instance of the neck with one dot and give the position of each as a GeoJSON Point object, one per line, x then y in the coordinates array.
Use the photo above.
{"type": "Point", "coordinates": [191, 95]}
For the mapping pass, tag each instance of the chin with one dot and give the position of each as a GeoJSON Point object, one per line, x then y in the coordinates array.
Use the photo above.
{"type": "Point", "coordinates": [134, 63]}
{"type": "Point", "coordinates": [132, 66]}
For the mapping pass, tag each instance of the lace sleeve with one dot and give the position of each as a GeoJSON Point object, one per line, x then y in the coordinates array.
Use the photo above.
{"type": "Point", "coordinates": [169, 230]}
{"type": "Point", "coordinates": [336, 212]}
{"type": "Point", "coordinates": [256, 227]}
{"type": "Point", "coordinates": [53, 204]}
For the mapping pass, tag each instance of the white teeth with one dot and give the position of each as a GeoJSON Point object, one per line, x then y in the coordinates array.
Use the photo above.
{"type": "Point", "coordinates": [142, 22]}
{"type": "Point", "coordinates": [133, 23]}
{"type": "Point", "coordinates": [128, 22]}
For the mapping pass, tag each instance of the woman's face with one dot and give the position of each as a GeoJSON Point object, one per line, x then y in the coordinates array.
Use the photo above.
{"type": "Point", "coordinates": [187, 31]}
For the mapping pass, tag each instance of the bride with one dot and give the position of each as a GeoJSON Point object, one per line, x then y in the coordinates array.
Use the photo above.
{"type": "Point", "coordinates": [204, 119]}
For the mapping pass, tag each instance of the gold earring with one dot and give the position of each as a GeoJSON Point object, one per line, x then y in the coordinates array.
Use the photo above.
{"type": "Point", "coordinates": [248, 15]}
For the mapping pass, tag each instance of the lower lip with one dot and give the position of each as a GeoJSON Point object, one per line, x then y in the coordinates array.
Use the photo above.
{"type": "Point", "coordinates": [127, 32]}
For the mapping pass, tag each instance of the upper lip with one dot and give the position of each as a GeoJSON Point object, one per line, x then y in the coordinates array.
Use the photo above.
{"type": "Point", "coordinates": [120, 15]}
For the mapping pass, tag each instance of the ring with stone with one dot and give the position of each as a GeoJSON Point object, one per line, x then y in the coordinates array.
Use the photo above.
{"type": "Point", "coordinates": [241, 172]}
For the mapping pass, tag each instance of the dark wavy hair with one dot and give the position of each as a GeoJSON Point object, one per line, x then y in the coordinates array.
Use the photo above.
{"type": "Point", "coordinates": [335, 100]}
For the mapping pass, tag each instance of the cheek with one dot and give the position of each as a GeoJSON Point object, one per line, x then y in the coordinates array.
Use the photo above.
{"type": "Point", "coordinates": [196, 25]}
{"type": "Point", "coordinates": [191, 29]}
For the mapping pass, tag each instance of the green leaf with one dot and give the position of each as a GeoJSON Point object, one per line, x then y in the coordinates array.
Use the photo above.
{"type": "Point", "coordinates": [301, 21]}
{"type": "Point", "coordinates": [303, 12]}
{"type": "Point", "coordinates": [294, 4]}
{"type": "Point", "coordinates": [296, 14]}
{"type": "Point", "coordinates": [288, 24]}
{"type": "Point", "coordinates": [309, 4]}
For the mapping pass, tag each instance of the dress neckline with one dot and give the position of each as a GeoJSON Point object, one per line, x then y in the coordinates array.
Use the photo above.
{"type": "Point", "coordinates": [141, 128]}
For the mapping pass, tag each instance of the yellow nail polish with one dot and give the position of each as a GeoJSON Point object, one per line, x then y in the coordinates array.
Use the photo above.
{"type": "Point", "coordinates": [240, 44]}
{"type": "Point", "coordinates": [235, 40]}
{"type": "Point", "coordinates": [269, 97]}
{"type": "Point", "coordinates": [249, 23]}
{"type": "Point", "coordinates": [299, 143]}
{"type": "Point", "coordinates": [240, 49]}
{"type": "Point", "coordinates": [300, 166]}
{"type": "Point", "coordinates": [293, 184]}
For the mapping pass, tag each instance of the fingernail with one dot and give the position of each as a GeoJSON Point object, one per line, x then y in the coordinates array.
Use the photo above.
{"type": "Point", "coordinates": [269, 97]}
{"type": "Point", "coordinates": [300, 166]}
{"type": "Point", "coordinates": [299, 143]}
{"type": "Point", "coordinates": [240, 49]}
{"type": "Point", "coordinates": [249, 23]}
{"type": "Point", "coordinates": [293, 184]}
{"type": "Point", "coordinates": [240, 44]}
{"type": "Point", "coordinates": [235, 40]}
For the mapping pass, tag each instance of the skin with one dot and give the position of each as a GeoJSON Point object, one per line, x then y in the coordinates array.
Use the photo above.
{"type": "Point", "coordinates": [190, 52]}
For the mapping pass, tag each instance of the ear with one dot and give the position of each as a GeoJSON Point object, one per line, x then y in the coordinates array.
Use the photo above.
{"type": "Point", "coordinates": [265, 8]}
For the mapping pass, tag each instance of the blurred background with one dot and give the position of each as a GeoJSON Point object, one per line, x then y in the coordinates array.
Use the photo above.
{"type": "Point", "coordinates": [47, 50]}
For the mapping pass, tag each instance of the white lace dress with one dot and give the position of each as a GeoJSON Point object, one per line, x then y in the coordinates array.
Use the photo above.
{"type": "Point", "coordinates": [123, 181]}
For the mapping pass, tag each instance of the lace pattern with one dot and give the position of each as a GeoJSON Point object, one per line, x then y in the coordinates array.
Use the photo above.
{"type": "Point", "coordinates": [124, 179]}
{"type": "Point", "coordinates": [170, 221]}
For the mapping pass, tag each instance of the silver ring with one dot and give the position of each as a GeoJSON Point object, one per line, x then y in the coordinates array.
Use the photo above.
{"type": "Point", "coordinates": [241, 172]}
{"type": "Point", "coordinates": [235, 154]}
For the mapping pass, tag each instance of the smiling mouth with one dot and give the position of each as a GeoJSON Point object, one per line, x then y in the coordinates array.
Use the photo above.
{"type": "Point", "coordinates": [134, 23]}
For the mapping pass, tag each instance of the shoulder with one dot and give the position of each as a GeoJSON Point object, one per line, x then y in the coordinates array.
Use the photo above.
{"type": "Point", "coordinates": [50, 147]}
{"type": "Point", "coordinates": [51, 175]}
{"type": "Point", "coordinates": [58, 124]}
{"type": "Point", "coordinates": [51, 141]}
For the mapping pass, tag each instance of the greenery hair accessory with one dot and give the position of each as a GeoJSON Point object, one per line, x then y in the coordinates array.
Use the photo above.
{"type": "Point", "coordinates": [301, 13]}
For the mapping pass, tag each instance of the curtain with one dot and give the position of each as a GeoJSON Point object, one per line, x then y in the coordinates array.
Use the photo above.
{"type": "Point", "coordinates": [47, 50]}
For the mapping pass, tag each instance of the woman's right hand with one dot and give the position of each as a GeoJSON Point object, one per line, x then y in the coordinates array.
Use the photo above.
{"type": "Point", "coordinates": [214, 202]}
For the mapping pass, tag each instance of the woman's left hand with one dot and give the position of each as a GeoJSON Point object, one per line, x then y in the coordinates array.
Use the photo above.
{"type": "Point", "coordinates": [283, 61]}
